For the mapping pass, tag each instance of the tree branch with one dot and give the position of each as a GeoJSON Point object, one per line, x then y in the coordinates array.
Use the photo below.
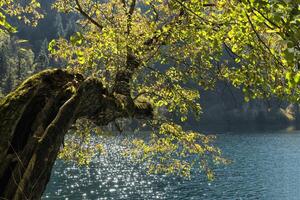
{"type": "Point", "coordinates": [266, 18]}
{"type": "Point", "coordinates": [129, 16]}
{"type": "Point", "coordinates": [156, 37]}
{"type": "Point", "coordinates": [261, 40]}
{"type": "Point", "coordinates": [124, 76]}
{"type": "Point", "coordinates": [86, 15]}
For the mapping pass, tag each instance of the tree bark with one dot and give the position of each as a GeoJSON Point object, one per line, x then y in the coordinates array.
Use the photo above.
{"type": "Point", "coordinates": [35, 118]}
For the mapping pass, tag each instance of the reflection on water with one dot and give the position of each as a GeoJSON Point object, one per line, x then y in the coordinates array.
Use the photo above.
{"type": "Point", "coordinates": [265, 166]}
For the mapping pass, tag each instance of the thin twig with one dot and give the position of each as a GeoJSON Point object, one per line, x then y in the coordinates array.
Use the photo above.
{"type": "Point", "coordinates": [86, 15]}
{"type": "Point", "coordinates": [261, 40]}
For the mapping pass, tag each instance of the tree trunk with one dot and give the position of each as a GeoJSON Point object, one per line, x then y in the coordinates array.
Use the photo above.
{"type": "Point", "coordinates": [35, 118]}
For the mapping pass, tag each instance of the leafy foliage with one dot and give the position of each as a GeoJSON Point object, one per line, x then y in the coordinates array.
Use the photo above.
{"type": "Point", "coordinates": [166, 41]}
{"type": "Point", "coordinates": [27, 11]}
{"type": "Point", "coordinates": [81, 147]}
{"type": "Point", "coordinates": [172, 150]}
{"type": "Point", "coordinates": [179, 47]}
{"type": "Point", "coordinates": [263, 39]}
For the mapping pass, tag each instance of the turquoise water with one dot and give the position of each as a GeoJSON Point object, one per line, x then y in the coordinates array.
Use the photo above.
{"type": "Point", "coordinates": [265, 166]}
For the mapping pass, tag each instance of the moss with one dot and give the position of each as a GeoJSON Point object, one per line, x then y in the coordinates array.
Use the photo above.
{"type": "Point", "coordinates": [25, 87]}
{"type": "Point", "coordinates": [46, 83]}
{"type": "Point", "coordinates": [23, 113]}
{"type": "Point", "coordinates": [54, 78]}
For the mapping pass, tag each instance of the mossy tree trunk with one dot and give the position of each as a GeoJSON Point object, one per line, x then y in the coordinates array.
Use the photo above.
{"type": "Point", "coordinates": [36, 116]}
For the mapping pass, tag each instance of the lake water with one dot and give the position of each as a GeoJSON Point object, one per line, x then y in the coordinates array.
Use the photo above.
{"type": "Point", "coordinates": [266, 165]}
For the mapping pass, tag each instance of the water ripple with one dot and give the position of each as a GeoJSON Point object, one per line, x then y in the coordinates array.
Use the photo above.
{"type": "Point", "coordinates": [265, 166]}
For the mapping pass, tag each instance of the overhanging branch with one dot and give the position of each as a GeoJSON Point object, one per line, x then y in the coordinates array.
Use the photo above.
{"type": "Point", "coordinates": [86, 15]}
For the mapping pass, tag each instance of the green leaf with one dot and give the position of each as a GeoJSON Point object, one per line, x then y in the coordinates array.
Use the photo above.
{"type": "Point", "coordinates": [51, 46]}
{"type": "Point", "coordinates": [297, 78]}
{"type": "Point", "coordinates": [77, 39]}
{"type": "Point", "coordinates": [288, 76]}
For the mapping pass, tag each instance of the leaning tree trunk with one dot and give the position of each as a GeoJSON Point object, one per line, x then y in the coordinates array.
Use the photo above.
{"type": "Point", "coordinates": [35, 118]}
